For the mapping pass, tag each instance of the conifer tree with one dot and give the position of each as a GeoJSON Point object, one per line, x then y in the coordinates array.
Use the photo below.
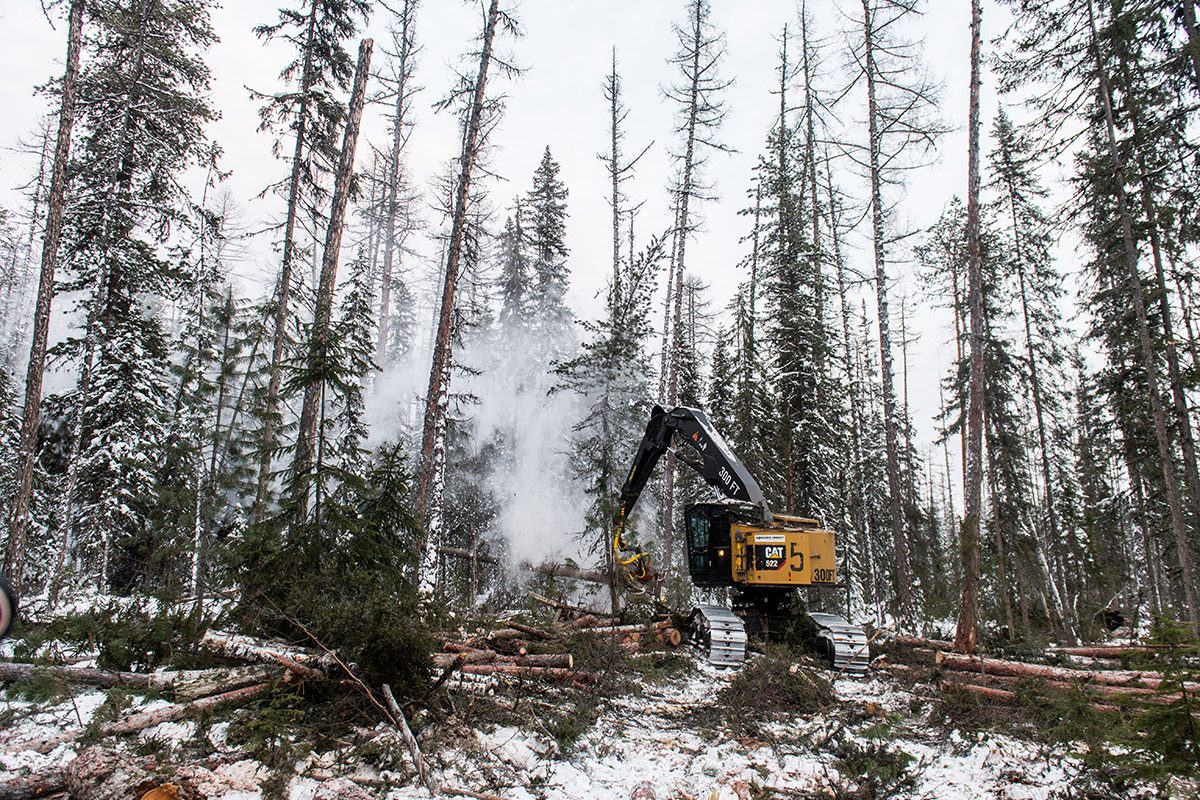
{"type": "Point", "coordinates": [142, 109]}
{"type": "Point", "coordinates": [546, 233]}
{"type": "Point", "coordinates": [322, 66]}
{"type": "Point", "coordinates": [402, 88]}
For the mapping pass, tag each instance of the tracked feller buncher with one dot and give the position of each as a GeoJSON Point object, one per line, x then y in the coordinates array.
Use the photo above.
{"type": "Point", "coordinates": [763, 558]}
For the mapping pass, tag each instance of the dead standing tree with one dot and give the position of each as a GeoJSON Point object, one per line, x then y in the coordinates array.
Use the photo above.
{"type": "Point", "coordinates": [319, 338]}
{"type": "Point", "coordinates": [405, 62]}
{"type": "Point", "coordinates": [14, 555]}
{"type": "Point", "coordinates": [322, 65]}
{"type": "Point", "coordinates": [479, 117]}
{"type": "Point", "coordinates": [900, 106]}
{"type": "Point", "coordinates": [968, 608]}
{"type": "Point", "coordinates": [700, 113]}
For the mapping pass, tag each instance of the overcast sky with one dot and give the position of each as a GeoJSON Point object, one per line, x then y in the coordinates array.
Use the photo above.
{"type": "Point", "coordinates": [558, 103]}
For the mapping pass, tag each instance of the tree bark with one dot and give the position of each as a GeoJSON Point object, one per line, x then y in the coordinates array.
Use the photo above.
{"type": "Point", "coordinates": [319, 342]}
{"type": "Point", "coordinates": [14, 555]}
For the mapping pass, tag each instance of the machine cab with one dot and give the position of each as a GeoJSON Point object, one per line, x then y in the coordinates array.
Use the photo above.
{"type": "Point", "coordinates": [710, 549]}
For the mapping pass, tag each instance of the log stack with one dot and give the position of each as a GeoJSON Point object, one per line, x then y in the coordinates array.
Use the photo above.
{"type": "Point", "coordinates": [520, 650]}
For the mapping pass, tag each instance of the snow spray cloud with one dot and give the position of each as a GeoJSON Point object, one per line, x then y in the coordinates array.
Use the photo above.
{"type": "Point", "coordinates": [542, 505]}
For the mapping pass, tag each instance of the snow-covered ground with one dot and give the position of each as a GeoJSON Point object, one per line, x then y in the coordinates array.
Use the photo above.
{"type": "Point", "coordinates": [659, 740]}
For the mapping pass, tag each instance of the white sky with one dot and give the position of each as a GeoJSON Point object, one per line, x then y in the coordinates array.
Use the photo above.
{"type": "Point", "coordinates": [558, 102]}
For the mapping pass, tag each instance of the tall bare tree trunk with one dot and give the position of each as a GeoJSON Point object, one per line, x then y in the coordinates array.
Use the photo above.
{"type": "Point", "coordinates": [968, 607]}
{"type": "Point", "coordinates": [319, 343]}
{"type": "Point", "coordinates": [14, 554]}
{"type": "Point", "coordinates": [284, 289]}
{"type": "Point", "coordinates": [1174, 506]}
{"type": "Point", "coordinates": [895, 490]}
{"type": "Point", "coordinates": [439, 372]}
{"type": "Point", "coordinates": [404, 75]}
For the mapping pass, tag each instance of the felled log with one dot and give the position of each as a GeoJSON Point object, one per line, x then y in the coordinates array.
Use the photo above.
{"type": "Point", "coordinates": [1138, 693]}
{"type": "Point", "coordinates": [33, 786]}
{"type": "Point", "coordinates": [928, 644]}
{"type": "Point", "coordinates": [100, 773]}
{"type": "Point", "coordinates": [1003, 695]}
{"type": "Point", "coordinates": [467, 655]}
{"type": "Point", "coordinates": [546, 601]}
{"type": "Point", "coordinates": [458, 552]}
{"type": "Point", "coordinates": [1109, 651]}
{"type": "Point", "coordinates": [563, 660]}
{"type": "Point", "coordinates": [563, 571]}
{"type": "Point", "coordinates": [145, 719]}
{"type": "Point", "coordinates": [670, 636]}
{"type": "Point", "coordinates": [557, 673]}
{"type": "Point", "coordinates": [184, 684]}
{"type": "Point", "coordinates": [423, 771]}
{"type": "Point", "coordinates": [619, 630]}
{"type": "Point", "coordinates": [586, 621]}
{"type": "Point", "coordinates": [529, 630]}
{"type": "Point", "coordinates": [995, 666]}
{"type": "Point", "coordinates": [248, 648]}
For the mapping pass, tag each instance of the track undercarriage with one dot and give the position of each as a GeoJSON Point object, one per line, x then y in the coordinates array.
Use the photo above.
{"type": "Point", "coordinates": [721, 633]}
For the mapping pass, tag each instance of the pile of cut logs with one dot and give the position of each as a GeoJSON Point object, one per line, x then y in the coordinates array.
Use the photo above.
{"type": "Point", "coordinates": [510, 650]}
{"type": "Point", "coordinates": [996, 679]}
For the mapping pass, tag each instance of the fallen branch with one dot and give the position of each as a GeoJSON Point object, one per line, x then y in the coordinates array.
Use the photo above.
{"type": "Point", "coordinates": [476, 795]}
{"type": "Point", "coordinates": [414, 749]}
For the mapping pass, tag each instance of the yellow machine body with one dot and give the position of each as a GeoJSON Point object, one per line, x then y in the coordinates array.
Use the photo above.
{"type": "Point", "coordinates": [792, 552]}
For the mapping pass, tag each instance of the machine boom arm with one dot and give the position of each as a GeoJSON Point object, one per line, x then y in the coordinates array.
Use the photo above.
{"type": "Point", "coordinates": [715, 462]}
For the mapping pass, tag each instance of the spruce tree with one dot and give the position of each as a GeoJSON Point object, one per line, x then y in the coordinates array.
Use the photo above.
{"type": "Point", "coordinates": [142, 109]}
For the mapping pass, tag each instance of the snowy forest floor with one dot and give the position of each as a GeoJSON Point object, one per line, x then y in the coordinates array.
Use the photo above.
{"type": "Point", "coordinates": [660, 725]}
